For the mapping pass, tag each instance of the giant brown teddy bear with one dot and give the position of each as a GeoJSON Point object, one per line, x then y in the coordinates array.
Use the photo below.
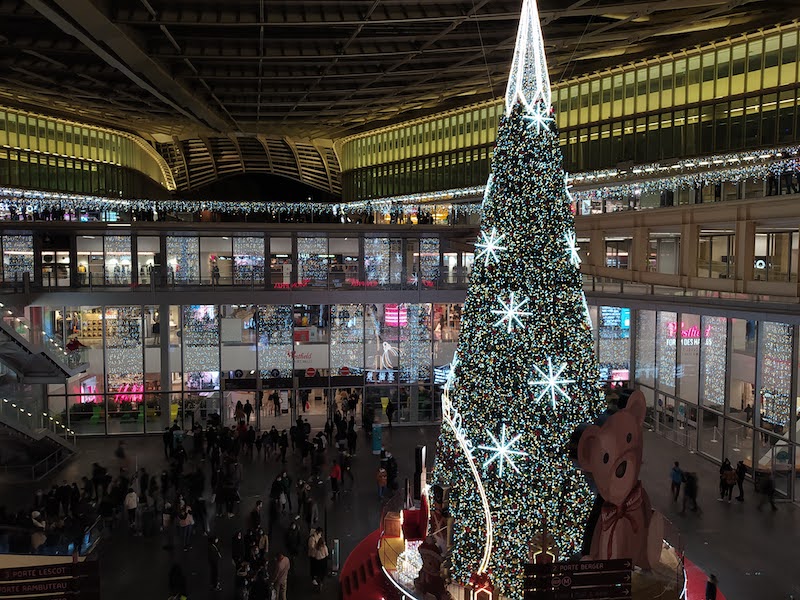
{"type": "Point", "coordinates": [628, 527]}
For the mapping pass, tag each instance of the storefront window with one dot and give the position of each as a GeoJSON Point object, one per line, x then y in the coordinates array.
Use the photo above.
{"type": "Point", "coordinates": [124, 369]}
{"type": "Point", "coordinates": [665, 350]}
{"type": "Point", "coordinates": [275, 340]}
{"type": "Point", "coordinates": [347, 338]}
{"type": "Point", "coordinates": [117, 259]}
{"type": "Point", "coordinates": [17, 257]}
{"type": "Point", "coordinates": [614, 332]}
{"type": "Point", "coordinates": [742, 371]}
{"type": "Point", "coordinates": [248, 260]}
{"type": "Point", "coordinates": [713, 360]}
{"type": "Point", "coordinates": [415, 343]}
{"type": "Point", "coordinates": [147, 248]}
{"type": "Point", "coordinates": [383, 261]}
{"type": "Point", "coordinates": [200, 338]}
{"type": "Point", "coordinates": [645, 347]}
{"type": "Point", "coordinates": [688, 361]}
{"type": "Point", "coordinates": [776, 376]}
{"type": "Point", "coordinates": [344, 271]}
{"type": "Point", "coordinates": [312, 261]}
{"type": "Point", "coordinates": [183, 259]}
{"type": "Point", "coordinates": [280, 261]}
{"type": "Point", "coordinates": [428, 262]}
{"type": "Point", "coordinates": [216, 260]}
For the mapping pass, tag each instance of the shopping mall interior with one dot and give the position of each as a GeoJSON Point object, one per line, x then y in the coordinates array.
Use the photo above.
{"type": "Point", "coordinates": [277, 203]}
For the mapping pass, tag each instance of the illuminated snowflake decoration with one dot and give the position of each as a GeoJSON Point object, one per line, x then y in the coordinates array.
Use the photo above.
{"type": "Point", "coordinates": [511, 313]}
{"type": "Point", "coordinates": [451, 375]}
{"type": "Point", "coordinates": [551, 382]}
{"type": "Point", "coordinates": [490, 246]}
{"type": "Point", "coordinates": [414, 279]}
{"type": "Point", "coordinates": [502, 451]}
{"type": "Point", "coordinates": [539, 118]}
{"type": "Point", "coordinates": [572, 249]}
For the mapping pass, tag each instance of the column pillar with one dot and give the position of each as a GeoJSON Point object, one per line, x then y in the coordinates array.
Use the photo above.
{"type": "Point", "coordinates": [597, 249]}
{"type": "Point", "coordinates": [688, 251]}
{"type": "Point", "coordinates": [640, 248]}
{"type": "Point", "coordinates": [166, 377]}
{"type": "Point", "coordinates": [745, 243]}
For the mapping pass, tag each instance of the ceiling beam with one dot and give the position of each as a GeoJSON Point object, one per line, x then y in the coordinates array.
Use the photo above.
{"type": "Point", "coordinates": [85, 21]}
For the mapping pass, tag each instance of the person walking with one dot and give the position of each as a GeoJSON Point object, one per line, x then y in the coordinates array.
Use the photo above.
{"type": "Point", "coordinates": [390, 409]}
{"type": "Point", "coordinates": [741, 473]}
{"type": "Point", "coordinates": [248, 410]}
{"type": "Point", "coordinates": [711, 587]}
{"type": "Point", "coordinates": [254, 521]}
{"type": "Point", "coordinates": [281, 575]}
{"type": "Point", "coordinates": [186, 525]}
{"type": "Point", "coordinates": [767, 491]}
{"type": "Point", "coordinates": [131, 503]}
{"type": "Point", "coordinates": [727, 479]}
{"type": "Point", "coordinates": [676, 477]}
{"type": "Point", "coordinates": [382, 481]}
{"type": "Point", "coordinates": [690, 492]}
{"type": "Point", "coordinates": [214, 556]}
{"type": "Point", "coordinates": [336, 479]}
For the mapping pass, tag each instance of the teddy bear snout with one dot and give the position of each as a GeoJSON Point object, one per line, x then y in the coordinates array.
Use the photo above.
{"type": "Point", "coordinates": [621, 468]}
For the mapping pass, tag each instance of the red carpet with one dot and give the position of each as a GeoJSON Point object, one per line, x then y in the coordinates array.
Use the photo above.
{"type": "Point", "coordinates": [362, 577]}
{"type": "Point", "coordinates": [696, 580]}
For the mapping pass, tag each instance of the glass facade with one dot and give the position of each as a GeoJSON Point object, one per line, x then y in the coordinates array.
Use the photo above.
{"type": "Point", "coordinates": [151, 365]}
{"type": "Point", "coordinates": [46, 153]}
{"type": "Point", "coordinates": [735, 94]}
{"type": "Point", "coordinates": [724, 387]}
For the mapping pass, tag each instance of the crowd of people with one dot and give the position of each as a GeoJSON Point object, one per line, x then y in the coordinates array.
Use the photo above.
{"type": "Point", "coordinates": [199, 486]}
{"type": "Point", "coordinates": [729, 477]}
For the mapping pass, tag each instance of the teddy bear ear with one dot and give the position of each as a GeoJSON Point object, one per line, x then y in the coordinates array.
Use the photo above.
{"type": "Point", "coordinates": [586, 447]}
{"type": "Point", "coordinates": [637, 405]}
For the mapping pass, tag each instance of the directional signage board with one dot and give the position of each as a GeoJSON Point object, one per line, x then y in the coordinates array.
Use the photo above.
{"type": "Point", "coordinates": [66, 581]}
{"type": "Point", "coordinates": [582, 580]}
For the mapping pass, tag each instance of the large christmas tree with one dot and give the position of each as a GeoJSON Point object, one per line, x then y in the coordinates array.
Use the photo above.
{"type": "Point", "coordinates": [524, 375]}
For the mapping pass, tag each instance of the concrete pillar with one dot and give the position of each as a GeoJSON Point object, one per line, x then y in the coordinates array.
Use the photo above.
{"type": "Point", "coordinates": [640, 250]}
{"type": "Point", "coordinates": [166, 378]}
{"type": "Point", "coordinates": [745, 243]}
{"type": "Point", "coordinates": [690, 234]}
{"type": "Point", "coordinates": [597, 249]}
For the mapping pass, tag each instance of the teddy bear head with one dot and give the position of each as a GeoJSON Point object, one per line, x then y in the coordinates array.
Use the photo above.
{"type": "Point", "coordinates": [612, 451]}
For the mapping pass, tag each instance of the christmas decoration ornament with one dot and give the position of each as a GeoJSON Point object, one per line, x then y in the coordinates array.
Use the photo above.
{"type": "Point", "coordinates": [526, 484]}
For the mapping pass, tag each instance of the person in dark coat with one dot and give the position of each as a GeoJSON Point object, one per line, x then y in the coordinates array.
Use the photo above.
{"type": "Point", "coordinates": [214, 556]}
{"type": "Point", "coordinates": [711, 587]}
{"type": "Point", "coordinates": [741, 473]}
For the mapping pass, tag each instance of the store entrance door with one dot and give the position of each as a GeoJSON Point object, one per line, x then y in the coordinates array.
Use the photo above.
{"type": "Point", "coordinates": [312, 404]}
{"type": "Point", "coordinates": [277, 409]}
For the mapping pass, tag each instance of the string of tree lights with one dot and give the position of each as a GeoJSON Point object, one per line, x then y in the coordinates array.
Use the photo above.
{"type": "Point", "coordinates": [525, 374]}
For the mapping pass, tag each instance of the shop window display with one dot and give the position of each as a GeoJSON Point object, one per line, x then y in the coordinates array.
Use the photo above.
{"type": "Point", "coordinates": [183, 259]}
{"type": "Point", "coordinates": [667, 329]}
{"type": "Point", "coordinates": [17, 257]}
{"type": "Point", "coordinates": [689, 337]}
{"type": "Point", "coordinates": [147, 249]}
{"type": "Point", "coordinates": [275, 340]}
{"type": "Point", "coordinates": [383, 262]}
{"type": "Point", "coordinates": [344, 269]}
{"type": "Point", "coordinates": [713, 360]}
{"type": "Point", "coordinates": [645, 347]}
{"type": "Point", "coordinates": [776, 376]}
{"type": "Point", "coordinates": [117, 252]}
{"type": "Point", "coordinates": [248, 260]}
{"type": "Point", "coordinates": [216, 260]}
{"type": "Point", "coordinates": [280, 262]}
{"type": "Point", "coordinates": [124, 368]}
{"type": "Point", "coordinates": [347, 338]}
{"type": "Point", "coordinates": [312, 261]}
{"type": "Point", "coordinates": [614, 343]}
{"type": "Point", "coordinates": [742, 370]}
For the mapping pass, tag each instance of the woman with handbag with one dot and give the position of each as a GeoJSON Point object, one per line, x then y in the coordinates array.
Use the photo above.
{"type": "Point", "coordinates": [186, 525]}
